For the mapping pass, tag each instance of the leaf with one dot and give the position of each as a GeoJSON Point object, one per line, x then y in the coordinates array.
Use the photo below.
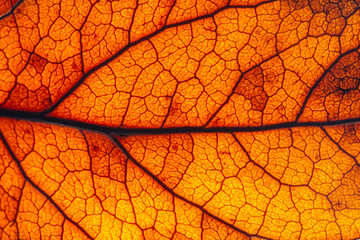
{"type": "Point", "coordinates": [180, 119]}
{"type": "Point", "coordinates": [6, 7]}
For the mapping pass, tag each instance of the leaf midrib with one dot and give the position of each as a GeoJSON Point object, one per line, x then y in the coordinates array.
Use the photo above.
{"type": "Point", "coordinates": [40, 117]}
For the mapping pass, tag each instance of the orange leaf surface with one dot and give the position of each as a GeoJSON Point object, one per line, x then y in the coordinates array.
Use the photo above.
{"type": "Point", "coordinates": [180, 119]}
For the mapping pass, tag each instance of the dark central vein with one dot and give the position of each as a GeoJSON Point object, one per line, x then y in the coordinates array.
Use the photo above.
{"type": "Point", "coordinates": [39, 117]}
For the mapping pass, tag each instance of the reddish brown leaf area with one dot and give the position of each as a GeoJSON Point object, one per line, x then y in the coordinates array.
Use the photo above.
{"type": "Point", "coordinates": [6, 6]}
{"type": "Point", "coordinates": [337, 96]}
{"type": "Point", "coordinates": [186, 119]}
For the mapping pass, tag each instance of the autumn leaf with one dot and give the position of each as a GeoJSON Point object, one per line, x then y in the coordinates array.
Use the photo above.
{"type": "Point", "coordinates": [180, 119]}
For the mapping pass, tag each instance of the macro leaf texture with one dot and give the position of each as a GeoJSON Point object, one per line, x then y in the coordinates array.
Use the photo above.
{"type": "Point", "coordinates": [180, 119]}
